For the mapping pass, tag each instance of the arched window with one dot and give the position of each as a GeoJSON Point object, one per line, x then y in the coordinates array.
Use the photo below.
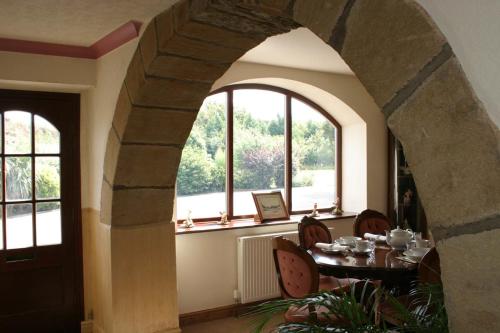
{"type": "Point", "coordinates": [254, 137]}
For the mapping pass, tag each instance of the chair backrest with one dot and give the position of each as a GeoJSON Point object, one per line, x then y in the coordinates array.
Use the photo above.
{"type": "Point", "coordinates": [371, 221]}
{"type": "Point", "coordinates": [298, 274]}
{"type": "Point", "coordinates": [429, 269]}
{"type": "Point", "coordinates": [312, 231]}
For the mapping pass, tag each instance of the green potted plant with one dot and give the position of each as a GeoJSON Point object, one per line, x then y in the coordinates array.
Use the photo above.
{"type": "Point", "coordinates": [358, 311]}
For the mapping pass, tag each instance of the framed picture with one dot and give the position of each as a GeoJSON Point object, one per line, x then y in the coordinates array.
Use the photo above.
{"type": "Point", "coordinates": [270, 206]}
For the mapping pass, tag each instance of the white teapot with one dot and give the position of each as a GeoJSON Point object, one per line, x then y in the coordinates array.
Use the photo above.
{"type": "Point", "coordinates": [397, 238]}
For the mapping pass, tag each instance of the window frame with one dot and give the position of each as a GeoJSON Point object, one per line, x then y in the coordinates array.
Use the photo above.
{"type": "Point", "coordinates": [288, 94]}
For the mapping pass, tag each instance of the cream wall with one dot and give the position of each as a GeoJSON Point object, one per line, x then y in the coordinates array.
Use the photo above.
{"type": "Point", "coordinates": [207, 264]}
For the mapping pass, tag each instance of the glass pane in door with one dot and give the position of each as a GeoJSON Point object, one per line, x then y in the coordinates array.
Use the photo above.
{"type": "Point", "coordinates": [46, 137]}
{"type": "Point", "coordinates": [19, 226]}
{"type": "Point", "coordinates": [17, 132]}
{"type": "Point", "coordinates": [18, 178]}
{"type": "Point", "coordinates": [48, 223]}
{"type": "Point", "coordinates": [47, 177]}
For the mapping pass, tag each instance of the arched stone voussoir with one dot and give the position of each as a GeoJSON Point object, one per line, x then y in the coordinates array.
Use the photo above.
{"type": "Point", "coordinates": [155, 91]}
{"type": "Point", "coordinates": [139, 206]}
{"type": "Point", "coordinates": [159, 126]}
{"type": "Point", "coordinates": [470, 268]}
{"type": "Point", "coordinates": [386, 43]}
{"type": "Point", "coordinates": [147, 165]}
{"type": "Point", "coordinates": [452, 148]}
{"type": "Point", "coordinates": [319, 16]}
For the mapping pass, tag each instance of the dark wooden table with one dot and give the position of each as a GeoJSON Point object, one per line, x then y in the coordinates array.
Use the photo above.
{"type": "Point", "coordinates": [379, 265]}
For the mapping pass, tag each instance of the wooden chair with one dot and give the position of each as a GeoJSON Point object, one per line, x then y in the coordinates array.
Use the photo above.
{"type": "Point", "coordinates": [298, 277]}
{"type": "Point", "coordinates": [371, 221]}
{"type": "Point", "coordinates": [429, 272]}
{"type": "Point", "coordinates": [312, 231]}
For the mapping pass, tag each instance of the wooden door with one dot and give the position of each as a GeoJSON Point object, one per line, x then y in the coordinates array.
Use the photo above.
{"type": "Point", "coordinates": [40, 229]}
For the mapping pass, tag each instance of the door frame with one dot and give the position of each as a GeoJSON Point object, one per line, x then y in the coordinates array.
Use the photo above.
{"type": "Point", "coordinates": [74, 106]}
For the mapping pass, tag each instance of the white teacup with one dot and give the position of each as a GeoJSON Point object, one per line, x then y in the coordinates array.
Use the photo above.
{"type": "Point", "coordinates": [362, 245]}
{"type": "Point", "coordinates": [423, 243]}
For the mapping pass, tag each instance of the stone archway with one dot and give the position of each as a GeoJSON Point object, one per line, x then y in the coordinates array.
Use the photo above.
{"type": "Point", "coordinates": [405, 64]}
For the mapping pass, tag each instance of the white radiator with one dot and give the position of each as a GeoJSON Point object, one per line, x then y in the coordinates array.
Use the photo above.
{"type": "Point", "coordinates": [257, 278]}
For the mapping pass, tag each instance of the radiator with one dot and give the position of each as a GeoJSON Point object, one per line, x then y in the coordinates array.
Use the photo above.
{"type": "Point", "coordinates": [257, 278]}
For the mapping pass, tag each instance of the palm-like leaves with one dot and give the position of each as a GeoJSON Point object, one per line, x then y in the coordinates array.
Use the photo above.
{"type": "Point", "coordinates": [357, 311]}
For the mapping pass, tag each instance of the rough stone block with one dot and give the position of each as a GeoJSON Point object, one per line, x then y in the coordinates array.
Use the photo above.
{"type": "Point", "coordinates": [148, 125]}
{"type": "Point", "coordinates": [470, 270]}
{"type": "Point", "coordinates": [135, 78]}
{"type": "Point", "coordinates": [207, 51]}
{"type": "Point", "coordinates": [387, 43]}
{"type": "Point", "coordinates": [188, 69]}
{"type": "Point", "coordinates": [122, 111]}
{"type": "Point", "coordinates": [452, 148]}
{"type": "Point", "coordinates": [172, 93]}
{"type": "Point", "coordinates": [319, 16]}
{"type": "Point", "coordinates": [111, 156]}
{"type": "Point", "coordinates": [142, 206]}
{"type": "Point", "coordinates": [149, 44]}
{"type": "Point", "coordinates": [188, 28]}
{"type": "Point", "coordinates": [143, 165]}
{"type": "Point", "coordinates": [165, 27]}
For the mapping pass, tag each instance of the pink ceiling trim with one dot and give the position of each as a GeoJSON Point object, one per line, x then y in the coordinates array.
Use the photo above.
{"type": "Point", "coordinates": [108, 43]}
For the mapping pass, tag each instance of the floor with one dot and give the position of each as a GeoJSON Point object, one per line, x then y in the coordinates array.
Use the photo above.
{"type": "Point", "coordinates": [228, 325]}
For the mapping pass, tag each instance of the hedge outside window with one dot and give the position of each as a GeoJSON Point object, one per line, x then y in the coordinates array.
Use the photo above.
{"type": "Point", "coordinates": [253, 137]}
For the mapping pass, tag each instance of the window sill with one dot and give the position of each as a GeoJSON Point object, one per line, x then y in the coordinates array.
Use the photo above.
{"type": "Point", "coordinates": [249, 223]}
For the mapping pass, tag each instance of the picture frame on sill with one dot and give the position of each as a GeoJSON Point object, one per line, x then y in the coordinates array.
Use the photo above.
{"type": "Point", "coordinates": [270, 206]}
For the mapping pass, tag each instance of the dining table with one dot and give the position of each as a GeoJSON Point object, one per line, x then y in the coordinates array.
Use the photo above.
{"type": "Point", "coordinates": [383, 264]}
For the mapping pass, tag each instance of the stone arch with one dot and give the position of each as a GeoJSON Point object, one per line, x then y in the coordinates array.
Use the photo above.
{"type": "Point", "coordinates": [400, 57]}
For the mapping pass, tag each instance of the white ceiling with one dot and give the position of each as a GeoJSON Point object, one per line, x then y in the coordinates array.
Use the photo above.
{"type": "Point", "coordinates": [73, 22]}
{"type": "Point", "coordinates": [300, 48]}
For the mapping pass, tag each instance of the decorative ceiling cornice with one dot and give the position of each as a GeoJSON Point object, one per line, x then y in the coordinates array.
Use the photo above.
{"type": "Point", "coordinates": [111, 41]}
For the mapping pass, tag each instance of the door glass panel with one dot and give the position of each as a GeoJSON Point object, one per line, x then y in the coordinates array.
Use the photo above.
{"type": "Point", "coordinates": [18, 178]}
{"type": "Point", "coordinates": [47, 177]}
{"type": "Point", "coordinates": [46, 137]}
{"type": "Point", "coordinates": [19, 226]}
{"type": "Point", "coordinates": [201, 180]}
{"type": "Point", "coordinates": [48, 223]}
{"type": "Point", "coordinates": [259, 145]}
{"type": "Point", "coordinates": [17, 132]}
{"type": "Point", "coordinates": [313, 162]}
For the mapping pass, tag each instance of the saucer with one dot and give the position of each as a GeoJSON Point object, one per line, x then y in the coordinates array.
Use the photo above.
{"type": "Point", "coordinates": [348, 240]}
{"type": "Point", "coordinates": [361, 252]}
{"type": "Point", "coordinates": [332, 250]}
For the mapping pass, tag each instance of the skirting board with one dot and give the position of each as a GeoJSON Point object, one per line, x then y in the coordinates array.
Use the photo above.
{"type": "Point", "coordinates": [89, 327]}
{"type": "Point", "coordinates": [233, 310]}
